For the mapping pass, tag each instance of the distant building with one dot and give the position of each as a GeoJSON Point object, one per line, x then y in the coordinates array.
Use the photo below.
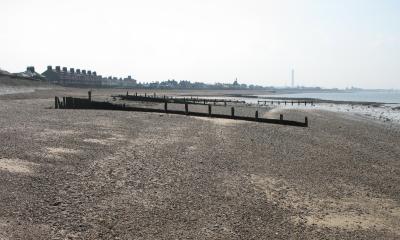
{"type": "Point", "coordinates": [80, 77]}
{"type": "Point", "coordinates": [30, 74]}
{"type": "Point", "coordinates": [72, 77]}
{"type": "Point", "coordinates": [129, 82]}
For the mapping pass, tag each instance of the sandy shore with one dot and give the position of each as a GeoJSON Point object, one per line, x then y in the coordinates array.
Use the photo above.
{"type": "Point", "coordinates": [73, 174]}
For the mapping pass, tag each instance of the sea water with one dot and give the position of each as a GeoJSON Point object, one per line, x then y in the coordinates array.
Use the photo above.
{"type": "Point", "coordinates": [387, 112]}
{"type": "Point", "coordinates": [384, 96]}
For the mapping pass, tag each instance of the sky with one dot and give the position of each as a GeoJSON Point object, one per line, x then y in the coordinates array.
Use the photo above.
{"type": "Point", "coordinates": [329, 43]}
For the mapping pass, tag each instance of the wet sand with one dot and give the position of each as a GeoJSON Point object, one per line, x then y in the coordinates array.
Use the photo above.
{"type": "Point", "coordinates": [122, 175]}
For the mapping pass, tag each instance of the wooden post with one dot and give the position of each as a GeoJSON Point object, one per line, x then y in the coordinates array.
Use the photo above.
{"type": "Point", "coordinates": [292, 102]}
{"type": "Point", "coordinates": [127, 93]}
{"type": "Point", "coordinates": [225, 103]}
{"type": "Point", "coordinates": [136, 94]}
{"type": "Point", "coordinates": [298, 102]}
{"type": "Point", "coordinates": [232, 111]}
{"type": "Point", "coordinates": [145, 94]}
{"type": "Point", "coordinates": [64, 106]}
{"type": "Point", "coordinates": [306, 121]}
{"type": "Point", "coordinates": [155, 95]}
{"type": "Point", "coordinates": [272, 102]}
{"type": "Point", "coordinates": [204, 102]}
{"type": "Point", "coordinates": [285, 103]}
{"type": "Point", "coordinates": [166, 106]}
{"type": "Point", "coordinates": [209, 110]}
{"type": "Point", "coordinates": [281, 117]}
{"type": "Point", "coordinates": [186, 109]}
{"type": "Point", "coordinates": [56, 102]}
{"type": "Point", "coordinates": [256, 115]}
{"type": "Point", "coordinates": [90, 95]}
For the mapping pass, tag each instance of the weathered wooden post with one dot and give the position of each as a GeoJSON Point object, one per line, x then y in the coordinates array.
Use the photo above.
{"type": "Point", "coordinates": [292, 102]}
{"type": "Point", "coordinates": [127, 93]}
{"type": "Point", "coordinates": [285, 103]}
{"type": "Point", "coordinates": [225, 103]}
{"type": "Point", "coordinates": [186, 108]}
{"type": "Point", "coordinates": [305, 103]}
{"type": "Point", "coordinates": [56, 102]}
{"type": "Point", "coordinates": [136, 94]}
{"type": "Point", "coordinates": [90, 95]}
{"type": "Point", "coordinates": [298, 102]}
{"type": "Point", "coordinates": [281, 117]}
{"type": "Point", "coordinates": [64, 106]}
{"type": "Point", "coordinates": [256, 115]}
{"type": "Point", "coordinates": [233, 112]}
{"type": "Point", "coordinates": [166, 106]}
{"type": "Point", "coordinates": [204, 102]}
{"type": "Point", "coordinates": [155, 95]}
{"type": "Point", "coordinates": [145, 94]}
{"type": "Point", "coordinates": [209, 110]}
{"type": "Point", "coordinates": [306, 122]}
{"type": "Point", "coordinates": [215, 102]}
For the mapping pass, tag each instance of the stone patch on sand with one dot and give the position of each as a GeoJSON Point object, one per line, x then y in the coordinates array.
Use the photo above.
{"type": "Point", "coordinates": [273, 113]}
{"type": "Point", "coordinates": [97, 141]}
{"type": "Point", "coordinates": [60, 152]}
{"type": "Point", "coordinates": [116, 137]}
{"type": "Point", "coordinates": [57, 133]}
{"type": "Point", "coordinates": [359, 211]}
{"type": "Point", "coordinates": [16, 166]}
{"type": "Point", "coordinates": [220, 121]}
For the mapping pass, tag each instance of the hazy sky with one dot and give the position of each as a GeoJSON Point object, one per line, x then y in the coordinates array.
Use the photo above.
{"type": "Point", "coordinates": [329, 43]}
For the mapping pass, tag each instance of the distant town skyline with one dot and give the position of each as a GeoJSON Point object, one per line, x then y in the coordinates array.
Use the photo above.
{"type": "Point", "coordinates": [330, 44]}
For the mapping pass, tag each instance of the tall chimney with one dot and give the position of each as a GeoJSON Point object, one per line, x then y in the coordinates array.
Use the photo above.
{"type": "Point", "coordinates": [49, 68]}
{"type": "Point", "coordinates": [30, 69]}
{"type": "Point", "coordinates": [89, 72]}
{"type": "Point", "coordinates": [65, 69]}
{"type": "Point", "coordinates": [71, 70]}
{"type": "Point", "coordinates": [58, 68]}
{"type": "Point", "coordinates": [78, 71]}
{"type": "Point", "coordinates": [84, 72]}
{"type": "Point", "coordinates": [94, 74]}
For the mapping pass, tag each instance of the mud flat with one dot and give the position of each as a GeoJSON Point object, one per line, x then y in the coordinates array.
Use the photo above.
{"type": "Point", "coordinates": [74, 174]}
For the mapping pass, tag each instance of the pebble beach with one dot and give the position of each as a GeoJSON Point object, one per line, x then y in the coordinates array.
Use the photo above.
{"type": "Point", "coordinates": [92, 174]}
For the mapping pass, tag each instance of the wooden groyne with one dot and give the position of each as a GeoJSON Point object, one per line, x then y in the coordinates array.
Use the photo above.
{"type": "Point", "coordinates": [285, 102]}
{"type": "Point", "coordinates": [87, 103]}
{"type": "Point", "coordinates": [163, 98]}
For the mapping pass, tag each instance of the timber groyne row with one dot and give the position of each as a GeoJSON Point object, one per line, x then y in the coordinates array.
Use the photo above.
{"type": "Point", "coordinates": [179, 100]}
{"type": "Point", "coordinates": [87, 103]}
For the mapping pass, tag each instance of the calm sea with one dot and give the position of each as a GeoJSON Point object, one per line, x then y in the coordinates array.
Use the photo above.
{"type": "Point", "coordinates": [358, 96]}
